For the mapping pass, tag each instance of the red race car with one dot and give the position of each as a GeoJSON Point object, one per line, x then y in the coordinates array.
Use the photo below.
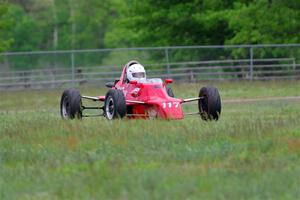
{"type": "Point", "coordinates": [135, 96]}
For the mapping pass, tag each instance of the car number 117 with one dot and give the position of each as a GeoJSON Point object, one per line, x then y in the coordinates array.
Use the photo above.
{"type": "Point", "coordinates": [170, 104]}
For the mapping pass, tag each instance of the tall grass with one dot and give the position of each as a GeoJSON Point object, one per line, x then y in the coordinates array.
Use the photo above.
{"type": "Point", "coordinates": [252, 152]}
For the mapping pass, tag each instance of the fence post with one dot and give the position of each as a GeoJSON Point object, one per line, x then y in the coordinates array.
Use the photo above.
{"type": "Point", "coordinates": [73, 68]}
{"type": "Point", "coordinates": [167, 60]}
{"type": "Point", "coordinates": [251, 63]}
{"type": "Point", "coordinates": [294, 64]}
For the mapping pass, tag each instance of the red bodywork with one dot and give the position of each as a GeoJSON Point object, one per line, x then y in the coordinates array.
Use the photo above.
{"type": "Point", "coordinates": [148, 100]}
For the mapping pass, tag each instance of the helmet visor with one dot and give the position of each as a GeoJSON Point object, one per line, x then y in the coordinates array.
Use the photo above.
{"type": "Point", "coordinates": [139, 75]}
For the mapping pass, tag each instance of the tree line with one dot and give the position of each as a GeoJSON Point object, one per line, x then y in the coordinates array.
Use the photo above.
{"type": "Point", "coordinates": [30, 25]}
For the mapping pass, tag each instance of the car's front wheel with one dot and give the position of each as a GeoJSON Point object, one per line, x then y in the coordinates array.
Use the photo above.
{"type": "Point", "coordinates": [115, 104]}
{"type": "Point", "coordinates": [210, 103]}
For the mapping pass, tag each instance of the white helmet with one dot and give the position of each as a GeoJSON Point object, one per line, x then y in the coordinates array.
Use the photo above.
{"type": "Point", "coordinates": [136, 72]}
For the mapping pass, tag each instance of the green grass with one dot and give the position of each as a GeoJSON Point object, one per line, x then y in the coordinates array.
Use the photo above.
{"type": "Point", "coordinates": [252, 152]}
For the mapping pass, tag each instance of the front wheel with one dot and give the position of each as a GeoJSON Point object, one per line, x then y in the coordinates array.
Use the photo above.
{"type": "Point", "coordinates": [210, 103]}
{"type": "Point", "coordinates": [115, 104]}
{"type": "Point", "coordinates": [71, 104]}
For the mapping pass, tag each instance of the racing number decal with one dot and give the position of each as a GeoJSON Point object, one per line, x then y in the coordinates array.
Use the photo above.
{"type": "Point", "coordinates": [165, 104]}
{"type": "Point", "coordinates": [170, 104]}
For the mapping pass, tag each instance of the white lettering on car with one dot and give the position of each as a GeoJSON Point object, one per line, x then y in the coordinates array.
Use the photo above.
{"type": "Point", "coordinates": [170, 104]}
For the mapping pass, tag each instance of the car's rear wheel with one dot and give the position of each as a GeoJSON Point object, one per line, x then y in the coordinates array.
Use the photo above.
{"type": "Point", "coordinates": [115, 104]}
{"type": "Point", "coordinates": [210, 103]}
{"type": "Point", "coordinates": [170, 92]}
{"type": "Point", "coordinates": [71, 104]}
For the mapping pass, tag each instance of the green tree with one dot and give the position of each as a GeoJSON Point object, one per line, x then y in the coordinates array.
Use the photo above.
{"type": "Point", "coordinates": [202, 22]}
{"type": "Point", "coordinates": [57, 24]}
{"type": "Point", "coordinates": [5, 41]}
{"type": "Point", "coordinates": [163, 22]}
{"type": "Point", "coordinates": [264, 21]}
{"type": "Point", "coordinates": [24, 30]}
{"type": "Point", "coordinates": [81, 24]}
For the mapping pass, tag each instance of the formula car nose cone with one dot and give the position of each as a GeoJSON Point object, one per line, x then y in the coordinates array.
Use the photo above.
{"type": "Point", "coordinates": [171, 110]}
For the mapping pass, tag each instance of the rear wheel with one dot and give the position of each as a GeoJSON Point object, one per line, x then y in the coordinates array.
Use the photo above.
{"type": "Point", "coordinates": [210, 103]}
{"type": "Point", "coordinates": [170, 92]}
{"type": "Point", "coordinates": [71, 104]}
{"type": "Point", "coordinates": [115, 104]}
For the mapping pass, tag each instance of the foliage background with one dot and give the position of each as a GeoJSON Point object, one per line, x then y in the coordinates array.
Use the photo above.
{"type": "Point", "coordinates": [77, 24]}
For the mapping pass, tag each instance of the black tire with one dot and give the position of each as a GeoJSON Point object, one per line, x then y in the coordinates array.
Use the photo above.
{"type": "Point", "coordinates": [71, 104]}
{"type": "Point", "coordinates": [170, 92]}
{"type": "Point", "coordinates": [115, 104]}
{"type": "Point", "coordinates": [210, 105]}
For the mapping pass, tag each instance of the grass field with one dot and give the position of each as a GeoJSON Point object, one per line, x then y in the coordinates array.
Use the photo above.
{"type": "Point", "coordinates": [252, 152]}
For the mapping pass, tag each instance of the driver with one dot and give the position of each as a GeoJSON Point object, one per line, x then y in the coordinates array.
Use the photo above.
{"type": "Point", "coordinates": [136, 72]}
